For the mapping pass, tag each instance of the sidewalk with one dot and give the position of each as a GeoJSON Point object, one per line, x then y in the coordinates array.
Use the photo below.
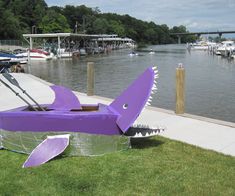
{"type": "Point", "coordinates": [203, 132]}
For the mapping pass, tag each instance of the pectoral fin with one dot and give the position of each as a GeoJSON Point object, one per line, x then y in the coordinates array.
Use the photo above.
{"type": "Point", "coordinates": [51, 147]}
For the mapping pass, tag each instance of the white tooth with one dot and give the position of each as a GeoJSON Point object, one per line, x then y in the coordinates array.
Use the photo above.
{"type": "Point", "coordinates": [154, 68]}
{"type": "Point", "coordinates": [147, 134]}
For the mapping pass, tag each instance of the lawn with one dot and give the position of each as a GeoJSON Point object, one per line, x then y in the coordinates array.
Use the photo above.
{"type": "Point", "coordinates": [156, 166]}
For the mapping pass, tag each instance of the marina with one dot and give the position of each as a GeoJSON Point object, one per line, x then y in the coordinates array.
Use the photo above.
{"type": "Point", "coordinates": [209, 85]}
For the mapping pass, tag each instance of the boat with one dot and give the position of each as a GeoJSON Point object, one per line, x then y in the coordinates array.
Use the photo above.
{"type": "Point", "coordinates": [225, 48]}
{"type": "Point", "coordinates": [82, 52]}
{"type": "Point", "coordinates": [36, 54]}
{"type": "Point", "coordinates": [133, 54]}
{"type": "Point", "coordinates": [4, 56]}
{"type": "Point", "coordinates": [67, 119]}
{"type": "Point", "coordinates": [151, 52]}
{"type": "Point", "coordinates": [201, 45]}
{"type": "Point", "coordinates": [64, 53]}
{"type": "Point", "coordinates": [68, 53]}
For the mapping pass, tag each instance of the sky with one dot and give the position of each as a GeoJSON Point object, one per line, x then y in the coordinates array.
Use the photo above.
{"type": "Point", "coordinates": [196, 15]}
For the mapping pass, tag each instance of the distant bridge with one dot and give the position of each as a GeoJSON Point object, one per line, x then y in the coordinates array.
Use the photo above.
{"type": "Point", "coordinates": [220, 33]}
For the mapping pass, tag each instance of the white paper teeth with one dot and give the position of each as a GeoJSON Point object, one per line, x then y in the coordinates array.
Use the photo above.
{"type": "Point", "coordinates": [156, 72]}
{"type": "Point", "coordinates": [147, 104]}
{"type": "Point", "coordinates": [154, 68]}
{"type": "Point", "coordinates": [150, 100]}
{"type": "Point", "coordinates": [138, 135]}
{"type": "Point", "coordinates": [154, 87]}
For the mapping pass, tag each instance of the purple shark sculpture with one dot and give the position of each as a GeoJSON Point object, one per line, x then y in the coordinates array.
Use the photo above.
{"type": "Point", "coordinates": [67, 114]}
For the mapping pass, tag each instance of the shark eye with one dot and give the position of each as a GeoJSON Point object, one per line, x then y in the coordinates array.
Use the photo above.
{"type": "Point", "coordinates": [125, 106]}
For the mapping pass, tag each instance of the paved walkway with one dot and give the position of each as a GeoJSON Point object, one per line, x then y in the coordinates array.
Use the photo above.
{"type": "Point", "coordinates": [203, 132]}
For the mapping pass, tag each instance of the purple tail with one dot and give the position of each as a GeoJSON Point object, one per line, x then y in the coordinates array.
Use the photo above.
{"type": "Point", "coordinates": [131, 102]}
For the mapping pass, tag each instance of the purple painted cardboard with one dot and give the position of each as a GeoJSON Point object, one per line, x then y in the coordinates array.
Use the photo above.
{"type": "Point", "coordinates": [64, 99]}
{"type": "Point", "coordinates": [131, 102]}
{"type": "Point", "coordinates": [51, 147]}
{"type": "Point", "coordinates": [66, 114]}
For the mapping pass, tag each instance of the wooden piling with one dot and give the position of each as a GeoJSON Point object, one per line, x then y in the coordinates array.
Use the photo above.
{"type": "Point", "coordinates": [180, 90]}
{"type": "Point", "coordinates": [90, 78]}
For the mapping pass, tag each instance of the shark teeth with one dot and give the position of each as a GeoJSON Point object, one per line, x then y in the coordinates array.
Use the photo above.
{"type": "Point", "coordinates": [150, 133]}
{"type": "Point", "coordinates": [154, 87]}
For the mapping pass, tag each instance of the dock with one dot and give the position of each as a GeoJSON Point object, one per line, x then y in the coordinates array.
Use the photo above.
{"type": "Point", "coordinates": [202, 132]}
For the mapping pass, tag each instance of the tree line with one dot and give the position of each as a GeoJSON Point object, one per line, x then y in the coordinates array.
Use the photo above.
{"type": "Point", "coordinates": [34, 16]}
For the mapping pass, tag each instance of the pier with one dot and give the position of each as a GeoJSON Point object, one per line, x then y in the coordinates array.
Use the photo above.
{"type": "Point", "coordinates": [203, 132]}
{"type": "Point", "coordinates": [73, 41]}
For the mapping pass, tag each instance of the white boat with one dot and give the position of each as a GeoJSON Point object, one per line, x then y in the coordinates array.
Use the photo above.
{"type": "Point", "coordinates": [67, 53]}
{"type": "Point", "coordinates": [36, 54]}
{"type": "Point", "coordinates": [133, 54]}
{"type": "Point", "coordinates": [225, 48]}
{"type": "Point", "coordinates": [82, 52]}
{"type": "Point", "coordinates": [64, 53]}
{"type": "Point", "coordinates": [4, 56]}
{"type": "Point", "coordinates": [151, 52]}
{"type": "Point", "coordinates": [202, 45]}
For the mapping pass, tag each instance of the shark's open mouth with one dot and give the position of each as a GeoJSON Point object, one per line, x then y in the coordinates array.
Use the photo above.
{"type": "Point", "coordinates": [142, 132]}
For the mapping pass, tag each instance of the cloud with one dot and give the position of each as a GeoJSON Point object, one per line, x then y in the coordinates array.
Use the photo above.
{"type": "Point", "coordinates": [194, 14]}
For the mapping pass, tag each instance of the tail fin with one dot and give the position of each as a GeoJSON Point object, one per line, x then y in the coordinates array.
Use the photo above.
{"type": "Point", "coordinates": [131, 102]}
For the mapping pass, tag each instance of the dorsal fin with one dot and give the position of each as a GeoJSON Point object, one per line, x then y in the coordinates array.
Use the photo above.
{"type": "Point", "coordinates": [65, 99]}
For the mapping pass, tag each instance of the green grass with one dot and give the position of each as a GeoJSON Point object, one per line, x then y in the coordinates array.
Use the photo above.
{"type": "Point", "coordinates": [156, 166]}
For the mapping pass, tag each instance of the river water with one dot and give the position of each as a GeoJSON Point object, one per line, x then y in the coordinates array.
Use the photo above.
{"type": "Point", "coordinates": [210, 79]}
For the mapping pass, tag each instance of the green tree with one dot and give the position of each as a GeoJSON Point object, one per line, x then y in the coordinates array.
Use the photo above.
{"type": "Point", "coordinates": [29, 12]}
{"type": "Point", "coordinates": [79, 15]}
{"type": "Point", "coordinates": [10, 28]}
{"type": "Point", "coordinates": [54, 22]}
{"type": "Point", "coordinates": [116, 27]}
{"type": "Point", "coordinates": [100, 26]}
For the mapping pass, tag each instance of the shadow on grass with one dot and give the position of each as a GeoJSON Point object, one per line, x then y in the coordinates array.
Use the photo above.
{"type": "Point", "coordinates": [140, 143]}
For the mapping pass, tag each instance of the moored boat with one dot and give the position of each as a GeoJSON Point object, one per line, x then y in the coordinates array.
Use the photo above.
{"type": "Point", "coordinates": [201, 45]}
{"type": "Point", "coordinates": [36, 54]}
{"type": "Point", "coordinates": [4, 56]}
{"type": "Point", "coordinates": [225, 48]}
